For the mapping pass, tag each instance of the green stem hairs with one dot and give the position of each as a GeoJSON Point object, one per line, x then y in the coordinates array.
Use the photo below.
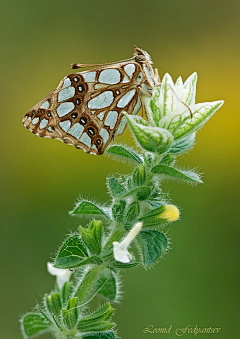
{"type": "Point", "coordinates": [130, 232]}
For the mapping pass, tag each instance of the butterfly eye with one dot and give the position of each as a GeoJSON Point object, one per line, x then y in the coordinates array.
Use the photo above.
{"type": "Point", "coordinates": [74, 115]}
{"type": "Point", "coordinates": [49, 114]}
{"type": "Point", "coordinates": [75, 79]}
{"type": "Point", "coordinates": [83, 121]}
{"type": "Point", "coordinates": [80, 88]}
{"type": "Point", "coordinates": [91, 131]}
{"type": "Point", "coordinates": [98, 141]}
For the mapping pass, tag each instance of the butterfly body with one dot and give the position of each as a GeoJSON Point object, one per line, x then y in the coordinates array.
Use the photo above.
{"type": "Point", "coordinates": [86, 110]}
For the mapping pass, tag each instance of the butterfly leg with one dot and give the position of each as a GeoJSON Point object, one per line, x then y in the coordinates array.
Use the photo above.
{"type": "Point", "coordinates": [157, 77]}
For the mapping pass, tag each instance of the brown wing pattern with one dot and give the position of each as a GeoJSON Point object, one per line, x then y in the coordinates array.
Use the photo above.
{"type": "Point", "coordinates": [86, 110]}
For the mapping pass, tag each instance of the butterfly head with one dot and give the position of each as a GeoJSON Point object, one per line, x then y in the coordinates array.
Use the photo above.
{"type": "Point", "coordinates": [142, 56]}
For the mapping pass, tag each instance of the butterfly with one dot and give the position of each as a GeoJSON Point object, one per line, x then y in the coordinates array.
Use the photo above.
{"type": "Point", "coordinates": [86, 110]}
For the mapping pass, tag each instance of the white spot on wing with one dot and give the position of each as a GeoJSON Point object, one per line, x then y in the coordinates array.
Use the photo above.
{"type": "Point", "coordinates": [43, 123]}
{"type": "Point", "coordinates": [65, 125]}
{"type": "Point", "coordinates": [124, 101]}
{"type": "Point", "coordinates": [111, 119]}
{"type": "Point", "coordinates": [102, 100]}
{"type": "Point", "coordinates": [126, 79]}
{"type": "Point", "coordinates": [101, 115]}
{"type": "Point", "coordinates": [121, 126]}
{"type": "Point", "coordinates": [76, 130]}
{"type": "Point", "coordinates": [65, 108]}
{"type": "Point", "coordinates": [89, 76]}
{"type": "Point", "coordinates": [29, 118]}
{"type": "Point", "coordinates": [45, 105]}
{"type": "Point", "coordinates": [105, 135]}
{"type": "Point", "coordinates": [149, 75]}
{"type": "Point", "coordinates": [110, 76]}
{"type": "Point", "coordinates": [130, 69]}
{"type": "Point", "coordinates": [66, 93]}
{"type": "Point", "coordinates": [137, 107]}
{"type": "Point", "coordinates": [66, 83]}
{"type": "Point", "coordinates": [86, 140]}
{"type": "Point", "coordinates": [35, 121]}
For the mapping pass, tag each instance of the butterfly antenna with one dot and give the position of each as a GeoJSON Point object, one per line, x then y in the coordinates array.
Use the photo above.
{"type": "Point", "coordinates": [74, 66]}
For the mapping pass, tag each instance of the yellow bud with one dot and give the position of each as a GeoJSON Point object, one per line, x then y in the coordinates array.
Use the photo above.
{"type": "Point", "coordinates": [171, 213]}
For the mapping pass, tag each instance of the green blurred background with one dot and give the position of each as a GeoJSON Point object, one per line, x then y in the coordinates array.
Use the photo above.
{"type": "Point", "coordinates": [198, 282]}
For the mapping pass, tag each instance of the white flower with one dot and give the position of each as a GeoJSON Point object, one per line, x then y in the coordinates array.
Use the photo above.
{"type": "Point", "coordinates": [120, 249]}
{"type": "Point", "coordinates": [62, 275]}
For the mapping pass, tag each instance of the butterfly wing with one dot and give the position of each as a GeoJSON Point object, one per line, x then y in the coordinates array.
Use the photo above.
{"type": "Point", "coordinates": [86, 110]}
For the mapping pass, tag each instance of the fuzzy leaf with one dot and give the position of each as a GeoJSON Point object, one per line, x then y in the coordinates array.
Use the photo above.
{"type": "Point", "coordinates": [153, 218]}
{"type": "Point", "coordinates": [116, 188]}
{"type": "Point", "coordinates": [66, 291]}
{"type": "Point", "coordinates": [33, 323]}
{"type": "Point", "coordinates": [153, 108]}
{"type": "Point", "coordinates": [132, 212]}
{"type": "Point", "coordinates": [125, 152]}
{"type": "Point", "coordinates": [152, 139]}
{"type": "Point", "coordinates": [97, 321]}
{"type": "Point", "coordinates": [168, 159]}
{"type": "Point", "coordinates": [141, 193]}
{"type": "Point", "coordinates": [100, 335]}
{"type": "Point", "coordinates": [70, 313]}
{"type": "Point", "coordinates": [183, 144]}
{"type": "Point", "coordinates": [153, 245]}
{"type": "Point", "coordinates": [92, 237]}
{"type": "Point", "coordinates": [108, 286]}
{"type": "Point", "coordinates": [139, 175]}
{"type": "Point", "coordinates": [175, 173]}
{"type": "Point", "coordinates": [87, 207]}
{"type": "Point", "coordinates": [118, 210]}
{"type": "Point", "coordinates": [53, 303]}
{"type": "Point", "coordinates": [71, 253]}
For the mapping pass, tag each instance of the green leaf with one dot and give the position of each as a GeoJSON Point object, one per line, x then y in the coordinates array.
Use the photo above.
{"type": "Point", "coordinates": [118, 210]}
{"type": "Point", "coordinates": [86, 284]}
{"type": "Point", "coordinates": [153, 218]}
{"type": "Point", "coordinates": [141, 193]}
{"type": "Point", "coordinates": [87, 207]}
{"type": "Point", "coordinates": [66, 291]}
{"type": "Point", "coordinates": [123, 151]}
{"type": "Point", "coordinates": [116, 188]}
{"type": "Point", "coordinates": [118, 264]}
{"type": "Point", "coordinates": [152, 139]}
{"type": "Point", "coordinates": [168, 159]}
{"type": "Point", "coordinates": [92, 237]}
{"type": "Point", "coordinates": [175, 173]}
{"type": "Point", "coordinates": [97, 321]}
{"type": "Point", "coordinates": [70, 313]}
{"type": "Point", "coordinates": [100, 335]}
{"type": "Point", "coordinates": [153, 245]}
{"type": "Point", "coordinates": [152, 106]}
{"type": "Point", "coordinates": [183, 144]}
{"type": "Point", "coordinates": [155, 203]}
{"type": "Point", "coordinates": [132, 212]}
{"type": "Point", "coordinates": [139, 175]}
{"type": "Point", "coordinates": [53, 303]}
{"type": "Point", "coordinates": [107, 286]}
{"type": "Point", "coordinates": [33, 323]}
{"type": "Point", "coordinates": [180, 123]}
{"type": "Point", "coordinates": [71, 253]}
